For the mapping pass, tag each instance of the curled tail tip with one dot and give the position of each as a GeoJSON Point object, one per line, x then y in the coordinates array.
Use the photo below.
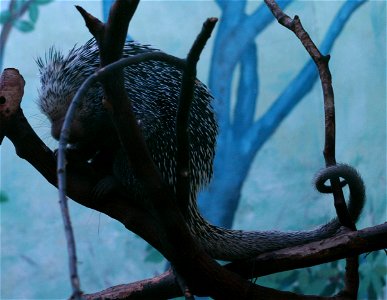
{"type": "Point", "coordinates": [352, 178]}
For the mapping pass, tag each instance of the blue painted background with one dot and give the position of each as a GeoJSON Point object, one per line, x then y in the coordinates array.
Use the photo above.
{"type": "Point", "coordinates": [265, 162]}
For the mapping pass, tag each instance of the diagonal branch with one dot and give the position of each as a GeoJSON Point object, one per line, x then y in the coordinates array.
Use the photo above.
{"type": "Point", "coordinates": [355, 242]}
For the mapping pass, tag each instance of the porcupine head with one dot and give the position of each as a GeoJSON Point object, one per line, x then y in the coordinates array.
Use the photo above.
{"type": "Point", "coordinates": [60, 79]}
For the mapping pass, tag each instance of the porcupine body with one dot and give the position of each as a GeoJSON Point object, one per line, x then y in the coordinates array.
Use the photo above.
{"type": "Point", "coordinates": [153, 87]}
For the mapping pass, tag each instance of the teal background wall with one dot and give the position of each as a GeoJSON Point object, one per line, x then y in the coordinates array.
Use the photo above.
{"type": "Point", "coordinates": [278, 193]}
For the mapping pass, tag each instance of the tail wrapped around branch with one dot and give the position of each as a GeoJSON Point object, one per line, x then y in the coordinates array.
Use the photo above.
{"type": "Point", "coordinates": [226, 244]}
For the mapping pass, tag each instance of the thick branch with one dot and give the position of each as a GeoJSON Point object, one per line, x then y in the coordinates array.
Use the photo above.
{"type": "Point", "coordinates": [339, 247]}
{"type": "Point", "coordinates": [163, 286]}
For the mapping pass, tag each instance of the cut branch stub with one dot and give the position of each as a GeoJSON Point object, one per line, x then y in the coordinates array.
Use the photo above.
{"type": "Point", "coordinates": [95, 26]}
{"type": "Point", "coordinates": [111, 36]}
{"type": "Point", "coordinates": [11, 94]}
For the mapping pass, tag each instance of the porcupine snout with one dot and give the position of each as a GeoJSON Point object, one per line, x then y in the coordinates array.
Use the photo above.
{"type": "Point", "coordinates": [76, 130]}
{"type": "Point", "coordinates": [56, 127]}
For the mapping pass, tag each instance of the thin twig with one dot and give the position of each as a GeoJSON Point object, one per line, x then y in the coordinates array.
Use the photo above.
{"type": "Point", "coordinates": [63, 202]}
{"type": "Point", "coordinates": [352, 264]}
{"type": "Point", "coordinates": [182, 285]}
{"type": "Point", "coordinates": [321, 62]}
{"type": "Point", "coordinates": [183, 111]}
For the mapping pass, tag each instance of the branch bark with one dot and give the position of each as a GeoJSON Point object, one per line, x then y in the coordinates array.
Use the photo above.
{"type": "Point", "coordinates": [339, 247]}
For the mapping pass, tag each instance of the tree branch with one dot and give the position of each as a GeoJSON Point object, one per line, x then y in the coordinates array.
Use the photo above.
{"type": "Point", "coordinates": [110, 38]}
{"type": "Point", "coordinates": [338, 247]}
{"type": "Point", "coordinates": [182, 118]}
{"type": "Point", "coordinates": [11, 93]}
{"type": "Point", "coordinates": [352, 264]}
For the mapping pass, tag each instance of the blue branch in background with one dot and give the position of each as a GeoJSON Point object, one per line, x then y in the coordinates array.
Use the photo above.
{"type": "Point", "coordinates": [229, 45]}
{"type": "Point", "coordinates": [248, 90]}
{"type": "Point", "coordinates": [106, 4]}
{"type": "Point", "coordinates": [219, 203]}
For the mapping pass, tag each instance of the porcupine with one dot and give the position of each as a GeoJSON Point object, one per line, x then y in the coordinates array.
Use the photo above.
{"type": "Point", "coordinates": [153, 87]}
